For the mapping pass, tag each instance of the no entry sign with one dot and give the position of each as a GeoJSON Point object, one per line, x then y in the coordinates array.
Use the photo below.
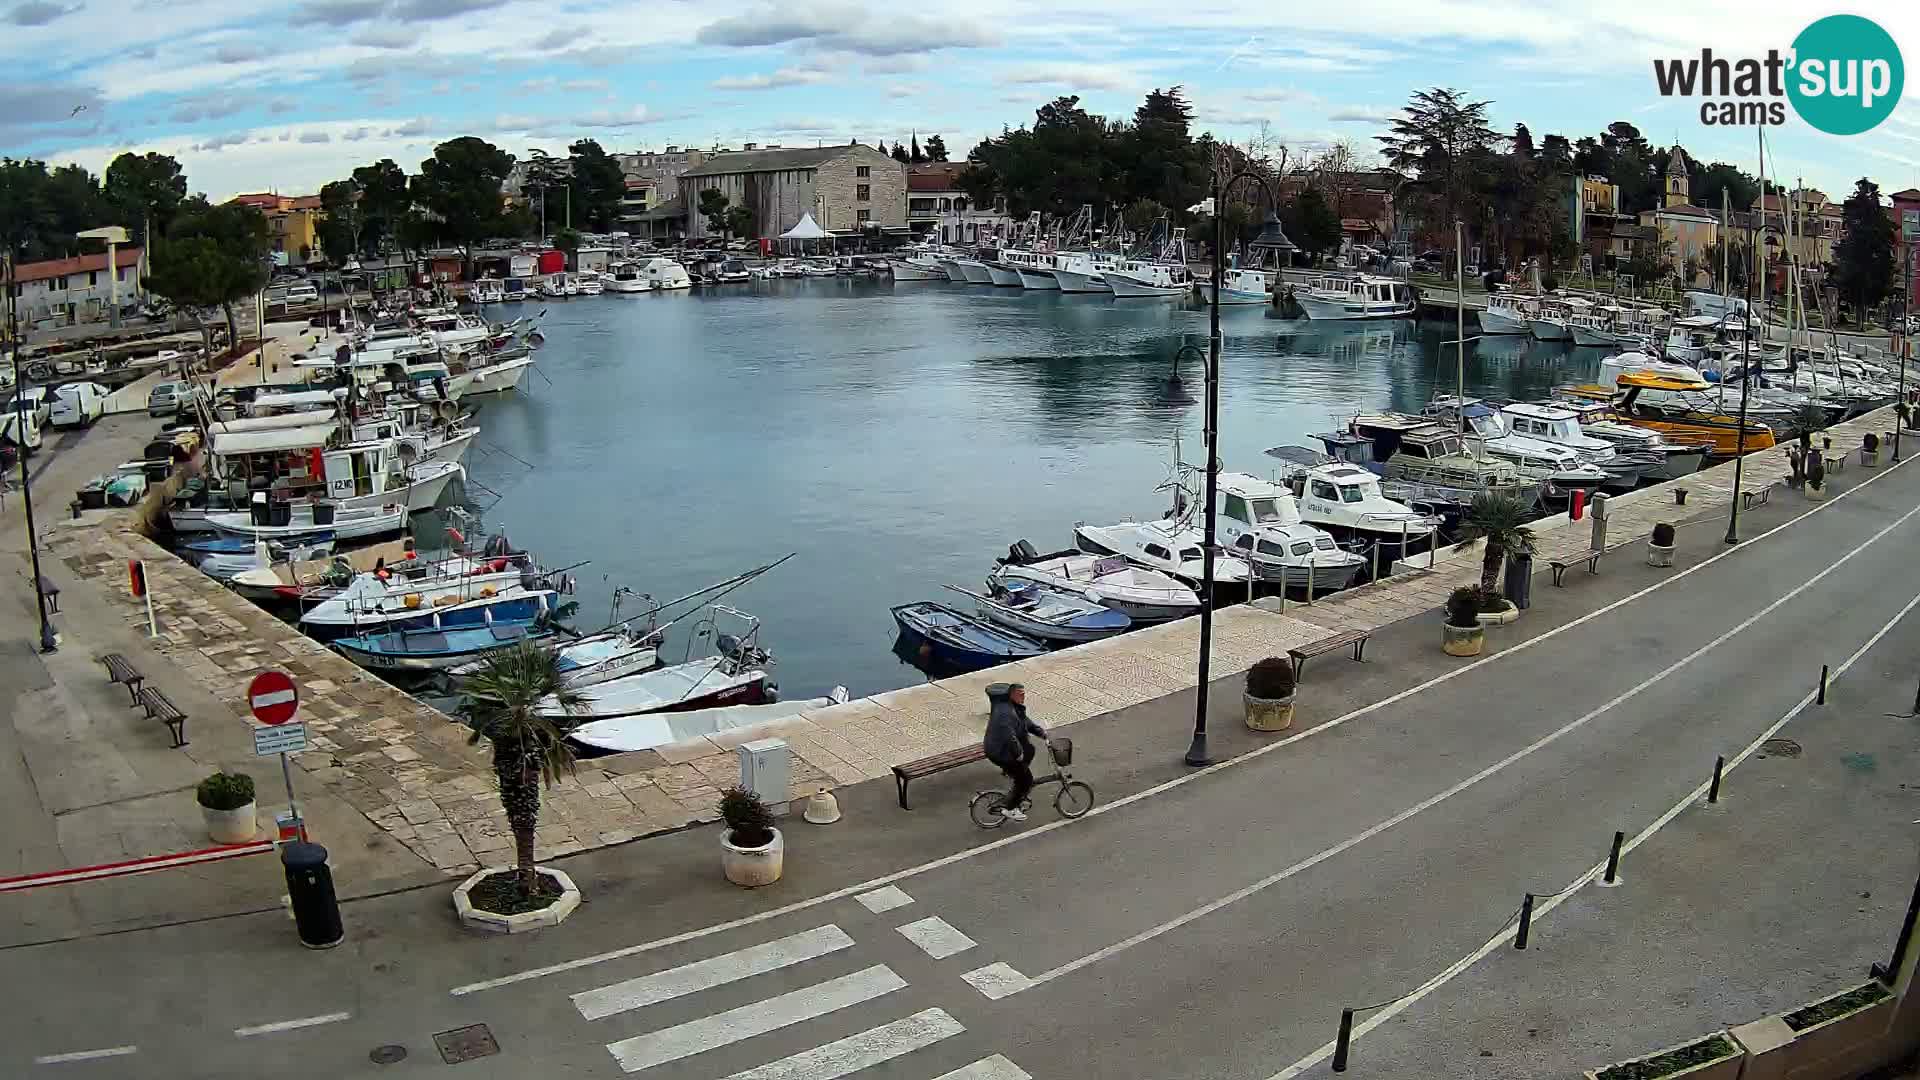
{"type": "Point", "coordinates": [273, 697]}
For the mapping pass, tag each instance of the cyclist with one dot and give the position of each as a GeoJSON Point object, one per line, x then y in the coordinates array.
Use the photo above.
{"type": "Point", "coordinates": [1007, 745]}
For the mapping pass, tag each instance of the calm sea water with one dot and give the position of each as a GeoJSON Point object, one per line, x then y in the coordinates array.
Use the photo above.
{"type": "Point", "coordinates": [897, 436]}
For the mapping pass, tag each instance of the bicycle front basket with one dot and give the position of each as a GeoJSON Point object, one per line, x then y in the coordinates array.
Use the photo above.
{"type": "Point", "coordinates": [1062, 748]}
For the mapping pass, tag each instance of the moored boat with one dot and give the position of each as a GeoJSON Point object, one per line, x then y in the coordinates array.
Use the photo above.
{"type": "Point", "coordinates": [1145, 596]}
{"type": "Point", "coordinates": [1044, 613]}
{"type": "Point", "coordinates": [954, 641]}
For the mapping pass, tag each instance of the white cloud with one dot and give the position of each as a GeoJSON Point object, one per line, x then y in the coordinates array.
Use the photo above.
{"type": "Point", "coordinates": [38, 13]}
{"type": "Point", "coordinates": [337, 12]}
{"type": "Point", "coordinates": [386, 37]}
{"type": "Point", "coordinates": [1077, 76]}
{"type": "Point", "coordinates": [786, 76]}
{"type": "Point", "coordinates": [904, 90]}
{"type": "Point", "coordinates": [315, 137]}
{"type": "Point", "coordinates": [851, 27]}
{"type": "Point", "coordinates": [1361, 114]}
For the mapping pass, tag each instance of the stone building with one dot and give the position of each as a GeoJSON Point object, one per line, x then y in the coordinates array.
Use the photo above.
{"type": "Point", "coordinates": [65, 292]}
{"type": "Point", "coordinates": [846, 188]}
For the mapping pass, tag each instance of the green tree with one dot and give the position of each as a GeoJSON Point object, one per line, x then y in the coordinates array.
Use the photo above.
{"type": "Point", "coordinates": [900, 154]}
{"type": "Point", "coordinates": [192, 274]}
{"type": "Point", "coordinates": [568, 241]}
{"type": "Point", "coordinates": [1141, 214]}
{"type": "Point", "coordinates": [502, 703]}
{"type": "Point", "coordinates": [238, 234]}
{"type": "Point", "coordinates": [936, 148]}
{"type": "Point", "coordinates": [147, 189]}
{"type": "Point", "coordinates": [385, 200]}
{"type": "Point", "coordinates": [41, 209]}
{"type": "Point", "coordinates": [339, 226]}
{"type": "Point", "coordinates": [598, 185]}
{"type": "Point", "coordinates": [460, 185]}
{"type": "Point", "coordinates": [1436, 136]}
{"type": "Point", "coordinates": [713, 207]}
{"type": "Point", "coordinates": [1500, 520]}
{"type": "Point", "coordinates": [1863, 260]}
{"type": "Point", "coordinates": [1739, 187]}
{"type": "Point", "coordinates": [914, 156]}
{"type": "Point", "coordinates": [1312, 224]}
{"type": "Point", "coordinates": [739, 221]}
{"type": "Point", "coordinates": [545, 173]}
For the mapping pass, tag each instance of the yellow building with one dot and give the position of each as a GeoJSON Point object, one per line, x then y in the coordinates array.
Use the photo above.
{"type": "Point", "coordinates": [1684, 231]}
{"type": "Point", "coordinates": [1803, 221]}
{"type": "Point", "coordinates": [292, 225]}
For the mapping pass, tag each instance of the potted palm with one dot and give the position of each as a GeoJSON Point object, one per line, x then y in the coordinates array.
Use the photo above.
{"type": "Point", "coordinates": [226, 802]}
{"type": "Point", "coordinates": [1463, 633]}
{"type": "Point", "coordinates": [752, 851]}
{"type": "Point", "coordinates": [1660, 545]}
{"type": "Point", "coordinates": [1269, 694]}
{"type": "Point", "coordinates": [1870, 451]}
{"type": "Point", "coordinates": [505, 703]}
{"type": "Point", "coordinates": [1500, 520]}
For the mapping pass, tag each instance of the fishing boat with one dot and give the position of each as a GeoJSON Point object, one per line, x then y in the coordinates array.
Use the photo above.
{"type": "Point", "coordinates": [1002, 274]}
{"type": "Point", "coordinates": [918, 266]}
{"type": "Point", "coordinates": [957, 642]}
{"type": "Point", "coordinates": [1507, 313]}
{"type": "Point", "coordinates": [294, 458]}
{"type": "Point", "coordinates": [1260, 522]}
{"type": "Point", "coordinates": [401, 594]}
{"type": "Point", "coordinates": [426, 649]}
{"type": "Point", "coordinates": [1034, 267]}
{"type": "Point", "coordinates": [1044, 613]}
{"type": "Point", "coordinates": [734, 675]}
{"type": "Point", "coordinates": [1171, 547]}
{"type": "Point", "coordinates": [1346, 500]}
{"type": "Point", "coordinates": [1135, 279]}
{"type": "Point", "coordinates": [1552, 318]}
{"type": "Point", "coordinates": [646, 731]}
{"type": "Point", "coordinates": [1489, 432]}
{"type": "Point", "coordinates": [1238, 287]}
{"type": "Point", "coordinates": [1336, 297]}
{"type": "Point", "coordinates": [283, 521]}
{"type": "Point", "coordinates": [1082, 271]}
{"type": "Point", "coordinates": [1145, 596]}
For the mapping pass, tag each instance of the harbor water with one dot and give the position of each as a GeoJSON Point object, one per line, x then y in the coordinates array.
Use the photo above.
{"type": "Point", "coordinates": [901, 435]}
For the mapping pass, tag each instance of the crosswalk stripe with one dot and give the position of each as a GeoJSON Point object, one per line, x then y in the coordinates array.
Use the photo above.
{"type": "Point", "coordinates": [714, 971]}
{"type": "Point", "coordinates": [936, 937]}
{"type": "Point", "coordinates": [988, 1068]}
{"type": "Point", "coordinates": [856, 1052]}
{"type": "Point", "coordinates": [720, 1029]}
{"type": "Point", "coordinates": [885, 899]}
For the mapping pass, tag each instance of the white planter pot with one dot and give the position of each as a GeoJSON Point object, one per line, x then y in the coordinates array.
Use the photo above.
{"type": "Point", "coordinates": [1507, 613]}
{"type": "Point", "coordinates": [752, 867]}
{"type": "Point", "coordinates": [1268, 714]}
{"type": "Point", "coordinates": [1659, 556]}
{"type": "Point", "coordinates": [235, 826]}
{"type": "Point", "coordinates": [520, 922]}
{"type": "Point", "coordinates": [1869, 459]}
{"type": "Point", "coordinates": [1816, 493]}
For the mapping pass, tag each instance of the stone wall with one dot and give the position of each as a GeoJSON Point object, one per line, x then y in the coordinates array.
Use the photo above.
{"type": "Point", "coordinates": [838, 185]}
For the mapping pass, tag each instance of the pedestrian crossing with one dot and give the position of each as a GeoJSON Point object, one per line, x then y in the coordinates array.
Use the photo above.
{"type": "Point", "coordinates": [873, 985]}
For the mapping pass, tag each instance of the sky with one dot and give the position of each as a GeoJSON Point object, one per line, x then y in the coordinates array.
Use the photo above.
{"type": "Point", "coordinates": [255, 95]}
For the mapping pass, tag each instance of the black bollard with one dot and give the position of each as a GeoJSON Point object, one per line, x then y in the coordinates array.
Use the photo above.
{"type": "Point", "coordinates": [1340, 1043]}
{"type": "Point", "coordinates": [316, 911]}
{"type": "Point", "coordinates": [1713, 792]}
{"type": "Point", "coordinates": [1823, 685]}
{"type": "Point", "coordinates": [1526, 922]}
{"type": "Point", "coordinates": [1613, 860]}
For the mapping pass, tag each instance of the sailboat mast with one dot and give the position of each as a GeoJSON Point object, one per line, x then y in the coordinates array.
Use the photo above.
{"type": "Point", "coordinates": [1460, 326]}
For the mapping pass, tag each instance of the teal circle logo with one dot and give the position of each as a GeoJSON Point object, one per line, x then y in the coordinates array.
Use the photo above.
{"type": "Point", "coordinates": [1846, 74]}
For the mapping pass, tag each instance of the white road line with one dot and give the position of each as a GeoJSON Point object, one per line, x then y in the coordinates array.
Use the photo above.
{"type": "Point", "coordinates": [1457, 967]}
{"type": "Point", "coordinates": [856, 1052]}
{"type": "Point", "coordinates": [290, 1025]}
{"type": "Point", "coordinates": [1158, 789]}
{"type": "Point", "coordinates": [996, 981]}
{"type": "Point", "coordinates": [714, 971]}
{"type": "Point", "coordinates": [758, 1018]}
{"type": "Point", "coordinates": [1439, 797]}
{"type": "Point", "coordinates": [84, 1055]}
{"type": "Point", "coordinates": [936, 937]}
{"type": "Point", "coordinates": [886, 899]}
{"type": "Point", "coordinates": [988, 1068]}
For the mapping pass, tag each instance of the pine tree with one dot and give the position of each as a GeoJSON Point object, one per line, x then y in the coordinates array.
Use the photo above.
{"type": "Point", "coordinates": [900, 154]}
{"type": "Point", "coordinates": [914, 155]}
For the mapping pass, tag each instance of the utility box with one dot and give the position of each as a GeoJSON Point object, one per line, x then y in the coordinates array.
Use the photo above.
{"type": "Point", "coordinates": [763, 771]}
{"type": "Point", "coordinates": [1518, 585]}
{"type": "Point", "coordinates": [1599, 523]}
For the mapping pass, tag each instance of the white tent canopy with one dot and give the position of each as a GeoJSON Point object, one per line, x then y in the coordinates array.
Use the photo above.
{"type": "Point", "coordinates": [806, 230]}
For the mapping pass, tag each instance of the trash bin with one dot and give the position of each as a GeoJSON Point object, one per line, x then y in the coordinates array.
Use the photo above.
{"type": "Point", "coordinates": [1518, 585]}
{"type": "Point", "coordinates": [316, 911]}
{"type": "Point", "coordinates": [323, 513]}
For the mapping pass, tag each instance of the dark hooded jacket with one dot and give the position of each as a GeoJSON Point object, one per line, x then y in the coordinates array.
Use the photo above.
{"type": "Point", "coordinates": [1007, 727]}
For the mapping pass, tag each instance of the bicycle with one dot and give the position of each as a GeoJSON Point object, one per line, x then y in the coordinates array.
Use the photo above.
{"type": "Point", "coordinates": [1073, 800]}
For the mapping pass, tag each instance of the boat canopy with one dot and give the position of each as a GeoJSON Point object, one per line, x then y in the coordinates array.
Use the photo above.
{"type": "Point", "coordinates": [293, 399]}
{"type": "Point", "coordinates": [228, 443]}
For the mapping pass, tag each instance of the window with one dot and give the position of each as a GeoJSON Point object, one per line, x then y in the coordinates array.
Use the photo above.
{"type": "Point", "coordinates": [1304, 547]}
{"type": "Point", "coordinates": [863, 171]}
{"type": "Point", "coordinates": [1324, 490]}
{"type": "Point", "coordinates": [1190, 555]}
{"type": "Point", "coordinates": [93, 278]}
{"type": "Point", "coordinates": [864, 216]}
{"type": "Point", "coordinates": [1158, 552]}
{"type": "Point", "coordinates": [1237, 508]}
{"type": "Point", "coordinates": [1266, 510]}
{"type": "Point", "coordinates": [1351, 493]}
{"type": "Point", "coordinates": [60, 284]}
{"type": "Point", "coordinates": [1245, 543]}
{"type": "Point", "coordinates": [863, 193]}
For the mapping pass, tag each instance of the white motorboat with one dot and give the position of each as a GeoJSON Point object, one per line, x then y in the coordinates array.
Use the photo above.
{"type": "Point", "coordinates": [1082, 271]}
{"type": "Point", "coordinates": [646, 731]}
{"type": "Point", "coordinates": [1674, 459]}
{"type": "Point", "coordinates": [358, 476]}
{"type": "Point", "coordinates": [224, 566]}
{"type": "Point", "coordinates": [1142, 279]}
{"type": "Point", "coordinates": [1507, 312]}
{"type": "Point", "coordinates": [627, 278]}
{"type": "Point", "coordinates": [1171, 547]}
{"type": "Point", "coordinates": [591, 285]}
{"type": "Point", "coordinates": [554, 288]}
{"type": "Point", "coordinates": [1360, 296]}
{"type": "Point", "coordinates": [1422, 461]}
{"type": "Point", "coordinates": [1238, 287]}
{"type": "Point", "coordinates": [408, 589]}
{"type": "Point", "coordinates": [1346, 501]}
{"type": "Point", "coordinates": [1260, 522]}
{"type": "Point", "coordinates": [1565, 468]}
{"type": "Point", "coordinates": [1557, 424]}
{"type": "Point", "coordinates": [1045, 613]}
{"type": "Point", "coordinates": [697, 684]}
{"type": "Point", "coordinates": [1145, 596]}
{"type": "Point", "coordinates": [281, 520]}
{"type": "Point", "coordinates": [487, 291]}
{"type": "Point", "coordinates": [664, 274]}
{"type": "Point", "coordinates": [500, 376]}
{"type": "Point", "coordinates": [1552, 318]}
{"type": "Point", "coordinates": [590, 660]}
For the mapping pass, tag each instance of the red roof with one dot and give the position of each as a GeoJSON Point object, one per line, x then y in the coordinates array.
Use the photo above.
{"type": "Point", "coordinates": [1909, 195]}
{"type": "Point", "coordinates": [1685, 210]}
{"type": "Point", "coordinates": [53, 268]}
{"type": "Point", "coordinates": [935, 176]}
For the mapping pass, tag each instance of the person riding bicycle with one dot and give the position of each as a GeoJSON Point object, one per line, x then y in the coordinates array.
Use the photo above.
{"type": "Point", "coordinates": [1007, 745]}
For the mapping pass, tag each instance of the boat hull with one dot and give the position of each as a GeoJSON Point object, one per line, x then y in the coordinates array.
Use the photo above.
{"type": "Point", "coordinates": [1005, 277]}
{"type": "Point", "coordinates": [1073, 281]}
{"type": "Point", "coordinates": [1139, 607]}
{"type": "Point", "coordinates": [1320, 309]}
{"type": "Point", "coordinates": [976, 273]}
{"type": "Point", "coordinates": [910, 272]}
{"type": "Point", "coordinates": [1133, 288]}
{"type": "Point", "coordinates": [1037, 279]}
{"type": "Point", "coordinates": [400, 651]}
{"type": "Point", "coordinates": [1231, 296]}
{"type": "Point", "coordinates": [1494, 322]}
{"type": "Point", "coordinates": [1598, 339]}
{"type": "Point", "coordinates": [1549, 330]}
{"type": "Point", "coordinates": [500, 378]}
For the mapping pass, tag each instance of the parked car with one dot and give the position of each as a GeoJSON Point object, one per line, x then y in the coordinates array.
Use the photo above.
{"type": "Point", "coordinates": [23, 439]}
{"type": "Point", "coordinates": [38, 405]}
{"type": "Point", "coordinates": [166, 398]}
{"type": "Point", "coordinates": [303, 292]}
{"type": "Point", "coordinates": [78, 404]}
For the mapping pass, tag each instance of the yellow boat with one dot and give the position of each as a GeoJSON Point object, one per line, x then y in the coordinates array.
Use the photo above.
{"type": "Point", "coordinates": [1678, 421]}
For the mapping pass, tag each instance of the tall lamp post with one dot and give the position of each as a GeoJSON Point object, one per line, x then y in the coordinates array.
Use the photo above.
{"type": "Point", "coordinates": [1746, 384]}
{"type": "Point", "coordinates": [1197, 753]}
{"type": "Point", "coordinates": [11, 336]}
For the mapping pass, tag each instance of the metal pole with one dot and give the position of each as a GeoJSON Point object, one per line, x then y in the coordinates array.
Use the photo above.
{"type": "Point", "coordinates": [1746, 384]}
{"type": "Point", "coordinates": [1526, 922]}
{"type": "Point", "coordinates": [1906, 346]}
{"type": "Point", "coordinates": [1460, 323]}
{"type": "Point", "coordinates": [293, 807]}
{"type": "Point", "coordinates": [1613, 860]}
{"type": "Point", "coordinates": [1342, 1041]}
{"type": "Point", "coordinates": [1823, 685]}
{"type": "Point", "coordinates": [1719, 766]}
{"type": "Point", "coordinates": [12, 338]}
{"type": "Point", "coordinates": [1197, 752]}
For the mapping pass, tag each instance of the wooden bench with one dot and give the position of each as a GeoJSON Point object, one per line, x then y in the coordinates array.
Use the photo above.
{"type": "Point", "coordinates": [52, 592]}
{"type": "Point", "coordinates": [168, 713]}
{"type": "Point", "coordinates": [1835, 462]}
{"type": "Point", "coordinates": [1355, 638]}
{"type": "Point", "coordinates": [1751, 499]}
{"type": "Point", "coordinates": [1559, 566]}
{"type": "Point", "coordinates": [119, 670]}
{"type": "Point", "coordinates": [938, 763]}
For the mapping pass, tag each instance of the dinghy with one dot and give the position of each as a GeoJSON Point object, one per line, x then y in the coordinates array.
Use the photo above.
{"type": "Point", "coordinates": [1044, 613]}
{"type": "Point", "coordinates": [957, 642]}
{"type": "Point", "coordinates": [1145, 596]}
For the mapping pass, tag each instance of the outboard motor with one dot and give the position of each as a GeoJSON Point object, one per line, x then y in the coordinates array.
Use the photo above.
{"type": "Point", "coordinates": [1021, 553]}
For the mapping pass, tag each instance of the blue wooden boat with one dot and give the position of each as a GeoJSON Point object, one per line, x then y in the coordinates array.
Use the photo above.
{"type": "Point", "coordinates": [951, 640]}
{"type": "Point", "coordinates": [433, 650]}
{"type": "Point", "coordinates": [243, 545]}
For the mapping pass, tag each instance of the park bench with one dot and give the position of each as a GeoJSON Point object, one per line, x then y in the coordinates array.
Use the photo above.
{"type": "Point", "coordinates": [167, 712]}
{"type": "Point", "coordinates": [119, 670]}
{"type": "Point", "coordinates": [1758, 497]}
{"type": "Point", "coordinates": [1559, 566]}
{"type": "Point", "coordinates": [938, 763]}
{"type": "Point", "coordinates": [1835, 462]}
{"type": "Point", "coordinates": [1355, 638]}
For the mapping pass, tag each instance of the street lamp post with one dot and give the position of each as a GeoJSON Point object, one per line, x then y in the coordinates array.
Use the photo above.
{"type": "Point", "coordinates": [1746, 384]}
{"type": "Point", "coordinates": [11, 336]}
{"type": "Point", "coordinates": [1197, 752]}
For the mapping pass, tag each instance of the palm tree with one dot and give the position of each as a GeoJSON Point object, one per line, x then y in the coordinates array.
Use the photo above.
{"type": "Point", "coordinates": [501, 703]}
{"type": "Point", "coordinates": [1501, 521]}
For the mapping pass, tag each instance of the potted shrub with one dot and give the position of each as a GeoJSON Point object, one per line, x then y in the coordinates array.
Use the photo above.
{"type": "Point", "coordinates": [1269, 694]}
{"type": "Point", "coordinates": [226, 801]}
{"type": "Point", "coordinates": [751, 849]}
{"type": "Point", "coordinates": [1714, 1057]}
{"type": "Point", "coordinates": [1870, 451]}
{"type": "Point", "coordinates": [1464, 634]}
{"type": "Point", "coordinates": [1660, 546]}
{"type": "Point", "coordinates": [1905, 412]}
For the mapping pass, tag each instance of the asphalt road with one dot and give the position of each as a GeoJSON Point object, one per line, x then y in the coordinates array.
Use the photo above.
{"type": "Point", "coordinates": [1211, 925]}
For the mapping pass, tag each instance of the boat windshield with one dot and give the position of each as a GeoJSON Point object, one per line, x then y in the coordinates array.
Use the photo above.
{"type": "Point", "coordinates": [1265, 510]}
{"type": "Point", "coordinates": [1192, 554]}
{"type": "Point", "coordinates": [1269, 547]}
{"type": "Point", "coordinates": [1324, 543]}
{"type": "Point", "coordinates": [1352, 493]}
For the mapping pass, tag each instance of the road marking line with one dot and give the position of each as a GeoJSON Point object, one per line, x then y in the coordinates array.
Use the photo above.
{"type": "Point", "coordinates": [85, 1055]}
{"type": "Point", "coordinates": [936, 937]}
{"type": "Point", "coordinates": [988, 1068]}
{"type": "Point", "coordinates": [1443, 795]}
{"type": "Point", "coordinates": [996, 981]}
{"type": "Point", "coordinates": [715, 971]}
{"type": "Point", "coordinates": [1461, 965]}
{"type": "Point", "coordinates": [886, 899]}
{"type": "Point", "coordinates": [855, 1052]}
{"type": "Point", "coordinates": [1158, 789]}
{"type": "Point", "coordinates": [758, 1018]}
{"type": "Point", "coordinates": [289, 1025]}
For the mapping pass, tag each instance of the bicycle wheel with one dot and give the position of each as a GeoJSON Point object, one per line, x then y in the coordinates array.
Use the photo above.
{"type": "Point", "coordinates": [985, 809]}
{"type": "Point", "coordinates": [1074, 800]}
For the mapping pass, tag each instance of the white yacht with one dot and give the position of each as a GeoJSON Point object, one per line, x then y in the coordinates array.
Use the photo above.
{"type": "Point", "coordinates": [1565, 468]}
{"type": "Point", "coordinates": [1260, 522]}
{"type": "Point", "coordinates": [1171, 547]}
{"type": "Point", "coordinates": [1238, 287]}
{"type": "Point", "coordinates": [1346, 501]}
{"type": "Point", "coordinates": [1145, 596]}
{"type": "Point", "coordinates": [1560, 425]}
{"type": "Point", "coordinates": [627, 278]}
{"type": "Point", "coordinates": [663, 273]}
{"type": "Point", "coordinates": [1507, 313]}
{"type": "Point", "coordinates": [1359, 296]}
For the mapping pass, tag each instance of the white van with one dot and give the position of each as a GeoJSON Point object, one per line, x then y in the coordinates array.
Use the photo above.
{"type": "Point", "coordinates": [10, 433]}
{"type": "Point", "coordinates": [78, 404]}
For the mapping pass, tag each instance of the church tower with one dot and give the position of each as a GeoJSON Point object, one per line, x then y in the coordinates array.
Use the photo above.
{"type": "Point", "coordinates": [1679, 186]}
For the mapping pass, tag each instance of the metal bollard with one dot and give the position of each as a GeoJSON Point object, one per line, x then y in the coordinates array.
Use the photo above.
{"type": "Point", "coordinates": [316, 911]}
{"type": "Point", "coordinates": [1526, 922]}
{"type": "Point", "coordinates": [1376, 561]}
{"type": "Point", "coordinates": [1613, 860]}
{"type": "Point", "coordinates": [1341, 1042]}
{"type": "Point", "coordinates": [1823, 686]}
{"type": "Point", "coordinates": [1713, 792]}
{"type": "Point", "coordinates": [1309, 590]}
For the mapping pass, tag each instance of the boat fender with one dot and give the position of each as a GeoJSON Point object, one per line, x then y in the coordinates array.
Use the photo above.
{"type": "Point", "coordinates": [445, 601]}
{"type": "Point", "coordinates": [487, 591]}
{"type": "Point", "coordinates": [411, 601]}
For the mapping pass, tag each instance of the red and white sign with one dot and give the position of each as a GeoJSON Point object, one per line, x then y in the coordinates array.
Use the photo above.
{"type": "Point", "coordinates": [273, 697]}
